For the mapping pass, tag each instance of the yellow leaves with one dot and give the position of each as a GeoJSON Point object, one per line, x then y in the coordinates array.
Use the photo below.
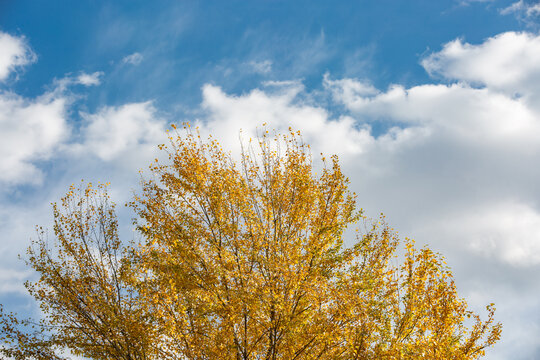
{"type": "Point", "coordinates": [263, 242]}
{"type": "Point", "coordinates": [244, 261]}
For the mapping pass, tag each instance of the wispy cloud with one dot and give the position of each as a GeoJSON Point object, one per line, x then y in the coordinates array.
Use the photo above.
{"type": "Point", "coordinates": [523, 11]}
{"type": "Point", "coordinates": [133, 59]}
{"type": "Point", "coordinates": [469, 2]}
{"type": "Point", "coordinates": [261, 67]}
{"type": "Point", "coordinates": [89, 79]}
{"type": "Point", "coordinates": [522, 7]}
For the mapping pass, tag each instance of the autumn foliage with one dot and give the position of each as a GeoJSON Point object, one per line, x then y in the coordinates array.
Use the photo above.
{"type": "Point", "coordinates": [239, 260]}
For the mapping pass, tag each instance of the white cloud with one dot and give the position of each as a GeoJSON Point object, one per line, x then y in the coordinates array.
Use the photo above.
{"type": "Point", "coordinates": [130, 129]}
{"type": "Point", "coordinates": [14, 52]}
{"type": "Point", "coordinates": [279, 109]}
{"type": "Point", "coordinates": [473, 115]}
{"type": "Point", "coordinates": [477, 147]}
{"type": "Point", "coordinates": [508, 62]}
{"type": "Point", "coordinates": [89, 79]}
{"type": "Point", "coordinates": [133, 59]}
{"type": "Point", "coordinates": [30, 130]}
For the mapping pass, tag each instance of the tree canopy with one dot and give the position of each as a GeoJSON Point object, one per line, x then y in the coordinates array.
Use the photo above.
{"type": "Point", "coordinates": [239, 259]}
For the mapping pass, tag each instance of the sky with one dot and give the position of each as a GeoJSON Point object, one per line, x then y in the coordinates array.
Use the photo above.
{"type": "Point", "coordinates": [433, 108]}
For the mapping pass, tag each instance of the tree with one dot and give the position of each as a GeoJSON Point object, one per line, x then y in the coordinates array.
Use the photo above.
{"type": "Point", "coordinates": [242, 260]}
{"type": "Point", "coordinates": [90, 307]}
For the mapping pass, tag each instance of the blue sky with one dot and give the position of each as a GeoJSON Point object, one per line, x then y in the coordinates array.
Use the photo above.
{"type": "Point", "coordinates": [432, 106]}
{"type": "Point", "coordinates": [192, 43]}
